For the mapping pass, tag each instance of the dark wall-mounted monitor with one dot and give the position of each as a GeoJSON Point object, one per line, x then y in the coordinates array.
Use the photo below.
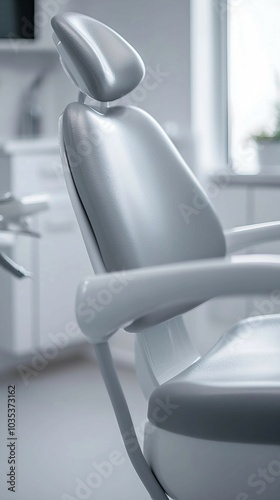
{"type": "Point", "coordinates": [17, 19]}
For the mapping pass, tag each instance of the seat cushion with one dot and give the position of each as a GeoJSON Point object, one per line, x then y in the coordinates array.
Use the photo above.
{"type": "Point", "coordinates": [232, 393]}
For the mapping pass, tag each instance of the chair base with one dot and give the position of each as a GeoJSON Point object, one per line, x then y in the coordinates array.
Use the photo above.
{"type": "Point", "coordinates": [194, 469]}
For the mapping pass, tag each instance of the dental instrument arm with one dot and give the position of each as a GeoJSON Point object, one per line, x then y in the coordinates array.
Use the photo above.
{"type": "Point", "coordinates": [240, 238]}
{"type": "Point", "coordinates": [13, 214]}
{"type": "Point", "coordinates": [13, 209]}
{"type": "Point", "coordinates": [13, 268]}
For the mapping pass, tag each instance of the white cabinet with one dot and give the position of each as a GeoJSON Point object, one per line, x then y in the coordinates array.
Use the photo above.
{"type": "Point", "coordinates": [33, 312]}
{"type": "Point", "coordinates": [62, 264]}
{"type": "Point", "coordinates": [17, 333]}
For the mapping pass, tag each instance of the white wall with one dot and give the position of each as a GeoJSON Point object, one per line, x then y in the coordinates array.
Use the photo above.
{"type": "Point", "coordinates": [17, 73]}
{"type": "Point", "coordinates": [158, 29]}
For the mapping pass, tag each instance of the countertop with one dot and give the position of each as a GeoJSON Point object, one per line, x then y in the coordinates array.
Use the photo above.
{"type": "Point", "coordinates": [29, 146]}
{"type": "Point", "coordinates": [268, 178]}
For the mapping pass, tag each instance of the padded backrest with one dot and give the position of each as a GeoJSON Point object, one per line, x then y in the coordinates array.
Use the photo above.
{"type": "Point", "coordinates": [143, 202]}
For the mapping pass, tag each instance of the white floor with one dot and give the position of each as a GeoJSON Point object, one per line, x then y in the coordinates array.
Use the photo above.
{"type": "Point", "coordinates": [65, 423]}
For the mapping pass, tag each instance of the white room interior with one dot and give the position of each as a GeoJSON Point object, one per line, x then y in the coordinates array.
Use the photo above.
{"type": "Point", "coordinates": [188, 54]}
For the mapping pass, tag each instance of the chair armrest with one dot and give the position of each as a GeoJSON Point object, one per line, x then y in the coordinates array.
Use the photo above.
{"type": "Point", "coordinates": [240, 238]}
{"type": "Point", "coordinates": [139, 299]}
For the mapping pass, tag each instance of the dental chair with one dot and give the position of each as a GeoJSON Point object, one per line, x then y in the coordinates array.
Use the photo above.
{"type": "Point", "coordinates": [213, 426]}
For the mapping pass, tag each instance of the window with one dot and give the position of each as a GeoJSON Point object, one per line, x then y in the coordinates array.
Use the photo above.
{"type": "Point", "coordinates": [254, 84]}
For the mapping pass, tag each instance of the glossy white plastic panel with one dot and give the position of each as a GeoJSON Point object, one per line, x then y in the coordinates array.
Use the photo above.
{"type": "Point", "coordinates": [195, 469]}
{"type": "Point", "coordinates": [240, 238]}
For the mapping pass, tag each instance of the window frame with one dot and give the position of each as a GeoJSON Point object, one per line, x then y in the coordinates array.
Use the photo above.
{"type": "Point", "coordinates": [210, 107]}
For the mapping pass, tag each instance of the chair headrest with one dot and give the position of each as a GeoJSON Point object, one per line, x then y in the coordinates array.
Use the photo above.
{"type": "Point", "coordinates": [99, 61]}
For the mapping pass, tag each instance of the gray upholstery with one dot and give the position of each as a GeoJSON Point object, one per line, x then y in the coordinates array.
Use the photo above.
{"type": "Point", "coordinates": [135, 186]}
{"type": "Point", "coordinates": [231, 394]}
{"type": "Point", "coordinates": [106, 64]}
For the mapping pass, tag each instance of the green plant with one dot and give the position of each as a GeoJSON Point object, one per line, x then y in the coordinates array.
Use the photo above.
{"type": "Point", "coordinates": [274, 134]}
{"type": "Point", "coordinates": [265, 137]}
